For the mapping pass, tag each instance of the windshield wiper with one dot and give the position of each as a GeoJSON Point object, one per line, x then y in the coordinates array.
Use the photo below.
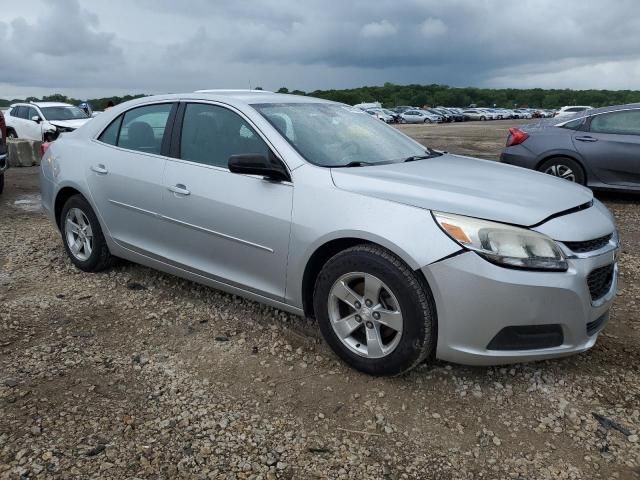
{"type": "Point", "coordinates": [358, 163]}
{"type": "Point", "coordinates": [431, 154]}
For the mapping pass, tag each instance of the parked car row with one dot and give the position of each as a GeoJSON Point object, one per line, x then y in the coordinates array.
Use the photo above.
{"type": "Point", "coordinates": [408, 114]}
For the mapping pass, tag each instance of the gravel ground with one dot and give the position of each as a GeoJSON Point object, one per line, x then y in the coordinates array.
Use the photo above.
{"type": "Point", "coordinates": [131, 373]}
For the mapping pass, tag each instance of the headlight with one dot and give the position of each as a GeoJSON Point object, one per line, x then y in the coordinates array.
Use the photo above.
{"type": "Point", "coordinates": [503, 244]}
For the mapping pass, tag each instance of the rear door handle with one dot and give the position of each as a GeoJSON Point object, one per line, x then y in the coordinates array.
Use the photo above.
{"type": "Point", "coordinates": [100, 168]}
{"type": "Point", "coordinates": [586, 139]}
{"type": "Point", "coordinates": [180, 189]}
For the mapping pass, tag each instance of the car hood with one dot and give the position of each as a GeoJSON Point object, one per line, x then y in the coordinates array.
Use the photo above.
{"type": "Point", "coordinates": [467, 186]}
{"type": "Point", "coordinates": [69, 123]}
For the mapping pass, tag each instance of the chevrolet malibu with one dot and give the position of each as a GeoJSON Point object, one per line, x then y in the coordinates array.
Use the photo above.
{"type": "Point", "coordinates": [401, 253]}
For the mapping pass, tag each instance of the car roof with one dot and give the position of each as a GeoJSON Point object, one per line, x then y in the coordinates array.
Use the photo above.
{"type": "Point", "coordinates": [248, 97]}
{"type": "Point", "coordinates": [41, 104]}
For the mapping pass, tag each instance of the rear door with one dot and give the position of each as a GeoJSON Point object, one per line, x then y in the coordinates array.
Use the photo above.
{"type": "Point", "coordinates": [124, 175]}
{"type": "Point", "coordinates": [229, 227]}
{"type": "Point", "coordinates": [611, 146]}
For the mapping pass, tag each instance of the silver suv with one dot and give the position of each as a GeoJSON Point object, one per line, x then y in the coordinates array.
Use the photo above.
{"type": "Point", "coordinates": [401, 253]}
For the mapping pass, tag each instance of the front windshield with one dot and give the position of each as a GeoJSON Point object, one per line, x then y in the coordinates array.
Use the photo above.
{"type": "Point", "coordinates": [333, 135]}
{"type": "Point", "coordinates": [63, 113]}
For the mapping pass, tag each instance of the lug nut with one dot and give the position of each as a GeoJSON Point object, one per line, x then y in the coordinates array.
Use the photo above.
{"type": "Point", "coordinates": [376, 315]}
{"type": "Point", "coordinates": [358, 318]}
{"type": "Point", "coordinates": [368, 302]}
{"type": "Point", "coordinates": [357, 304]}
{"type": "Point", "coordinates": [369, 324]}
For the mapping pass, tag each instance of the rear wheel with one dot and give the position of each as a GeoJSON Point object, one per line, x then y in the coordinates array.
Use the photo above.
{"type": "Point", "coordinates": [374, 311]}
{"type": "Point", "coordinates": [11, 133]}
{"type": "Point", "coordinates": [563, 167]}
{"type": "Point", "coordinates": [82, 236]}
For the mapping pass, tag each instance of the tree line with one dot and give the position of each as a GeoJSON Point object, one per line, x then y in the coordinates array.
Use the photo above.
{"type": "Point", "coordinates": [391, 95]}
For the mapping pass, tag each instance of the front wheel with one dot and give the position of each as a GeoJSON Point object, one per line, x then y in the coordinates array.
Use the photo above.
{"type": "Point", "coordinates": [82, 236]}
{"type": "Point", "coordinates": [12, 134]}
{"type": "Point", "coordinates": [426, 120]}
{"type": "Point", "coordinates": [565, 168]}
{"type": "Point", "coordinates": [375, 312]}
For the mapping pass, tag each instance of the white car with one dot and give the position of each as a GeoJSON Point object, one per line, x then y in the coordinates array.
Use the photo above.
{"type": "Point", "coordinates": [380, 115]}
{"type": "Point", "coordinates": [43, 121]}
{"type": "Point", "coordinates": [419, 116]}
{"type": "Point", "coordinates": [477, 114]}
{"type": "Point", "coordinates": [571, 110]}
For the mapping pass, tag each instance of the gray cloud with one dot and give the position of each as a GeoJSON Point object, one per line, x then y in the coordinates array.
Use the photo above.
{"type": "Point", "coordinates": [163, 45]}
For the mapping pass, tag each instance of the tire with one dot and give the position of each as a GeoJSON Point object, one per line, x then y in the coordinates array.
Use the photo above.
{"type": "Point", "coordinates": [426, 120]}
{"type": "Point", "coordinates": [79, 212]}
{"type": "Point", "coordinates": [483, 119]}
{"type": "Point", "coordinates": [1, 182]}
{"type": "Point", "coordinates": [11, 133]}
{"type": "Point", "coordinates": [402, 291]}
{"type": "Point", "coordinates": [564, 167]}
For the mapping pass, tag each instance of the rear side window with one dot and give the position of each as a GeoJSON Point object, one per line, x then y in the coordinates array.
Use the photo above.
{"type": "Point", "coordinates": [574, 124]}
{"type": "Point", "coordinates": [211, 134]}
{"type": "Point", "coordinates": [622, 123]}
{"type": "Point", "coordinates": [110, 135]}
{"type": "Point", "coordinates": [19, 112]}
{"type": "Point", "coordinates": [143, 128]}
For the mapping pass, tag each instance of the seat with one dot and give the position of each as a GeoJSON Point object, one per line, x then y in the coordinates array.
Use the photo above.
{"type": "Point", "coordinates": [140, 137]}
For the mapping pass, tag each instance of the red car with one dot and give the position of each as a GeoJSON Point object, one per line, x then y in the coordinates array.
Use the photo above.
{"type": "Point", "coordinates": [4, 161]}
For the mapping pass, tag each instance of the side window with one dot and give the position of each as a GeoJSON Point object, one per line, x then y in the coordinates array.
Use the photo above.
{"type": "Point", "coordinates": [622, 123]}
{"type": "Point", "coordinates": [110, 135]}
{"type": "Point", "coordinates": [31, 112]}
{"type": "Point", "coordinates": [211, 134]}
{"type": "Point", "coordinates": [143, 128]}
{"type": "Point", "coordinates": [21, 112]}
{"type": "Point", "coordinates": [574, 124]}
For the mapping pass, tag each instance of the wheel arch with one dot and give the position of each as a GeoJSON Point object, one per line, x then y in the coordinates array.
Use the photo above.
{"type": "Point", "coordinates": [62, 196]}
{"type": "Point", "coordinates": [328, 249]}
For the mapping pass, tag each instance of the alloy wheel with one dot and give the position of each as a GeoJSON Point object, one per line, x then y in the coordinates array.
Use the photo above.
{"type": "Point", "coordinates": [78, 233]}
{"type": "Point", "coordinates": [365, 315]}
{"type": "Point", "coordinates": [561, 171]}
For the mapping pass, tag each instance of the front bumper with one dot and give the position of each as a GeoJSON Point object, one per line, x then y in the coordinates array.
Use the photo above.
{"type": "Point", "coordinates": [476, 300]}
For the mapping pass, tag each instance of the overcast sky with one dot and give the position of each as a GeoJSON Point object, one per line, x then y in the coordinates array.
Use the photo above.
{"type": "Point", "coordinates": [87, 49]}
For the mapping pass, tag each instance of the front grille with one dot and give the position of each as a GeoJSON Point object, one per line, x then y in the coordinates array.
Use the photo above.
{"type": "Point", "coordinates": [589, 245]}
{"type": "Point", "coordinates": [600, 281]}
{"type": "Point", "coordinates": [595, 326]}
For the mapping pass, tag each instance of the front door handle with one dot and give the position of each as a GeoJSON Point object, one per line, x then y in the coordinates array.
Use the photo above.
{"type": "Point", "coordinates": [586, 139]}
{"type": "Point", "coordinates": [180, 189]}
{"type": "Point", "coordinates": [100, 169]}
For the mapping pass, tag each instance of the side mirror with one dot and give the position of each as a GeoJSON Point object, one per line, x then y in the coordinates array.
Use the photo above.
{"type": "Point", "coordinates": [255, 164]}
{"type": "Point", "coordinates": [36, 118]}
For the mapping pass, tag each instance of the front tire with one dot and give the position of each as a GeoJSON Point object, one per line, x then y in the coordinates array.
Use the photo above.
{"type": "Point", "coordinates": [565, 168]}
{"type": "Point", "coordinates": [11, 133]}
{"type": "Point", "coordinates": [426, 120]}
{"type": "Point", "coordinates": [376, 313]}
{"type": "Point", "coordinates": [82, 236]}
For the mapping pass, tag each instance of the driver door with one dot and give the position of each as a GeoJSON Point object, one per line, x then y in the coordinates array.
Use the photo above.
{"type": "Point", "coordinates": [229, 227]}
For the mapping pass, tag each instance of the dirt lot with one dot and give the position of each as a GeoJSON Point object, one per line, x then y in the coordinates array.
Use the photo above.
{"type": "Point", "coordinates": [131, 373]}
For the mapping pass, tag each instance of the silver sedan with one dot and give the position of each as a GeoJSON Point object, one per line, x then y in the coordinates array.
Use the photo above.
{"type": "Point", "coordinates": [401, 253]}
